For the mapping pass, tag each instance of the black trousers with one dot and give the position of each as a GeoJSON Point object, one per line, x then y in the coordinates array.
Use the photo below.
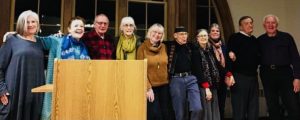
{"type": "Point", "coordinates": [222, 93]}
{"type": "Point", "coordinates": [161, 107]}
{"type": "Point", "coordinates": [244, 97]}
{"type": "Point", "coordinates": [278, 84]}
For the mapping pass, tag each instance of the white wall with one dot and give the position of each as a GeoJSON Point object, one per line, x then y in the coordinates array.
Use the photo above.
{"type": "Point", "coordinates": [288, 12]}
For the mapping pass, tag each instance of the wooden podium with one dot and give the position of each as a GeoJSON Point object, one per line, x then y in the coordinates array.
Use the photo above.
{"type": "Point", "coordinates": [98, 90]}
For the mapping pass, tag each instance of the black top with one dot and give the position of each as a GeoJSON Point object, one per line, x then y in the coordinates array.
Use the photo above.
{"type": "Point", "coordinates": [198, 68]}
{"type": "Point", "coordinates": [246, 50]}
{"type": "Point", "coordinates": [280, 50]}
{"type": "Point", "coordinates": [179, 57]}
{"type": "Point", "coordinates": [183, 61]}
{"type": "Point", "coordinates": [21, 69]}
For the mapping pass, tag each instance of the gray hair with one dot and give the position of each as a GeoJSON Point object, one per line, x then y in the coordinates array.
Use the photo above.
{"type": "Point", "coordinates": [21, 26]}
{"type": "Point", "coordinates": [156, 26]}
{"type": "Point", "coordinates": [214, 25]}
{"type": "Point", "coordinates": [201, 30]}
{"type": "Point", "coordinates": [101, 14]}
{"type": "Point", "coordinates": [127, 20]}
{"type": "Point", "coordinates": [271, 15]}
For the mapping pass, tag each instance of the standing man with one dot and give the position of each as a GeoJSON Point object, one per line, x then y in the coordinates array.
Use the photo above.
{"type": "Point", "coordinates": [244, 55]}
{"type": "Point", "coordinates": [100, 45]}
{"type": "Point", "coordinates": [183, 85]}
{"type": "Point", "coordinates": [280, 70]}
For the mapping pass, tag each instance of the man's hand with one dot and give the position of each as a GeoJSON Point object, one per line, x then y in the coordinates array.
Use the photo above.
{"type": "Point", "coordinates": [229, 81]}
{"type": "Point", "coordinates": [296, 84]}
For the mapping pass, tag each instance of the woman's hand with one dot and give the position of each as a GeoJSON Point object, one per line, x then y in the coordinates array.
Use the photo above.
{"type": "Point", "coordinates": [208, 94]}
{"type": "Point", "coordinates": [4, 99]}
{"type": "Point", "coordinates": [150, 95]}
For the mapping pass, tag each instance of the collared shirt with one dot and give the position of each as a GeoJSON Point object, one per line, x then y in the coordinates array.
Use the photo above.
{"type": "Point", "coordinates": [280, 50]}
{"type": "Point", "coordinates": [99, 47]}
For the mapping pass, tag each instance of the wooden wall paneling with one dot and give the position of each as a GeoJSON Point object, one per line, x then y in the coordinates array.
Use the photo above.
{"type": "Point", "coordinates": [122, 11]}
{"type": "Point", "coordinates": [67, 12]}
{"type": "Point", "coordinates": [5, 17]}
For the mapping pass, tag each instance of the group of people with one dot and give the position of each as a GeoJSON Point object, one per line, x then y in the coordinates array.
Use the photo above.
{"type": "Point", "coordinates": [186, 79]}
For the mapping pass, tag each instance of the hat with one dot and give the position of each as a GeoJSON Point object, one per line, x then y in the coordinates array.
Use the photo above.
{"type": "Point", "coordinates": [180, 29]}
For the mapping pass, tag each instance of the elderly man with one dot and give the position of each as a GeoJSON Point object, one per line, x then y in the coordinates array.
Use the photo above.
{"type": "Point", "coordinates": [183, 85]}
{"type": "Point", "coordinates": [280, 70]}
{"type": "Point", "coordinates": [244, 92]}
{"type": "Point", "coordinates": [100, 45]}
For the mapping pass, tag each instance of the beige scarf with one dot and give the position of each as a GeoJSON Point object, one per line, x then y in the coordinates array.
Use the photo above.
{"type": "Point", "coordinates": [126, 48]}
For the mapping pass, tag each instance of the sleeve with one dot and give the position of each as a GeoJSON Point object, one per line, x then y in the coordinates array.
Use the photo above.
{"type": "Point", "coordinates": [230, 47]}
{"type": "Point", "coordinates": [48, 42]}
{"type": "Point", "coordinates": [5, 57]}
{"type": "Point", "coordinates": [197, 67]}
{"type": "Point", "coordinates": [295, 57]}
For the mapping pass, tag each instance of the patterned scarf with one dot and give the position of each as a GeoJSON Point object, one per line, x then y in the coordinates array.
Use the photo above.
{"type": "Point", "coordinates": [73, 49]}
{"type": "Point", "coordinates": [126, 48]}
{"type": "Point", "coordinates": [209, 66]}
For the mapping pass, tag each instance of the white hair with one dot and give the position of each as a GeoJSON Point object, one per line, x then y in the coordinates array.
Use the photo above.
{"type": "Point", "coordinates": [127, 20]}
{"type": "Point", "coordinates": [271, 15]}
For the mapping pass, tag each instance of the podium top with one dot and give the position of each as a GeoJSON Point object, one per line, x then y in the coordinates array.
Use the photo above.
{"type": "Point", "coordinates": [44, 88]}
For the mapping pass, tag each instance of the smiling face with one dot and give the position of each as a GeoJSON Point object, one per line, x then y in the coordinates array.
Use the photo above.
{"type": "Point", "coordinates": [128, 29]}
{"type": "Point", "coordinates": [270, 25]}
{"type": "Point", "coordinates": [76, 29]}
{"type": "Point", "coordinates": [127, 26]}
{"type": "Point", "coordinates": [156, 35]}
{"type": "Point", "coordinates": [101, 24]}
{"type": "Point", "coordinates": [202, 37]}
{"type": "Point", "coordinates": [30, 26]}
{"type": "Point", "coordinates": [214, 33]}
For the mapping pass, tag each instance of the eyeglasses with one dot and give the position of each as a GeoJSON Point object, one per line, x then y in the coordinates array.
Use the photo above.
{"type": "Point", "coordinates": [160, 33]}
{"type": "Point", "coordinates": [202, 35]}
{"type": "Point", "coordinates": [128, 25]}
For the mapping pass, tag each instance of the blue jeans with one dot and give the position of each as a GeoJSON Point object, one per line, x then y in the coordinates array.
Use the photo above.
{"type": "Point", "coordinates": [183, 90]}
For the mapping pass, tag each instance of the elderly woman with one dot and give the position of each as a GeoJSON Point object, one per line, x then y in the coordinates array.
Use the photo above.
{"type": "Point", "coordinates": [68, 47]}
{"type": "Point", "coordinates": [21, 69]}
{"type": "Point", "coordinates": [205, 68]}
{"type": "Point", "coordinates": [220, 52]}
{"type": "Point", "coordinates": [127, 42]}
{"type": "Point", "coordinates": [158, 106]}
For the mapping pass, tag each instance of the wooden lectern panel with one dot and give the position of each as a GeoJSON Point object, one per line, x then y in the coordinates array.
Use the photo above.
{"type": "Point", "coordinates": [99, 90]}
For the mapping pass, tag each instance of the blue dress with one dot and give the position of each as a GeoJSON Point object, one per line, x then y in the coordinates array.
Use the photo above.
{"type": "Point", "coordinates": [21, 69]}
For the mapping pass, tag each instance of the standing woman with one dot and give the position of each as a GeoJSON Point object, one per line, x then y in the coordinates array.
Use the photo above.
{"type": "Point", "coordinates": [205, 68]}
{"type": "Point", "coordinates": [158, 96]}
{"type": "Point", "coordinates": [21, 69]}
{"type": "Point", "coordinates": [220, 51]}
{"type": "Point", "coordinates": [127, 42]}
{"type": "Point", "coordinates": [68, 47]}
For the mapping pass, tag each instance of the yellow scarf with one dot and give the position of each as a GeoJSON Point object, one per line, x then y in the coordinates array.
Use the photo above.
{"type": "Point", "coordinates": [126, 48]}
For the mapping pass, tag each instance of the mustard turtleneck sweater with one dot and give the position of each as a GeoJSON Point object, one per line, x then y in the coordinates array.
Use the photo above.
{"type": "Point", "coordinates": [157, 63]}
